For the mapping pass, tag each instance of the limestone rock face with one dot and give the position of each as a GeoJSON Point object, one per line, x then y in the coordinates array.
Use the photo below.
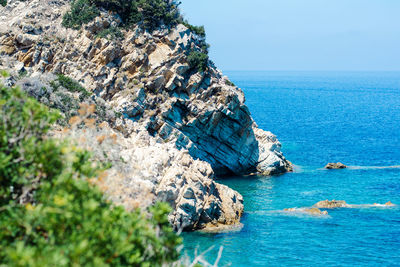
{"type": "Point", "coordinates": [147, 78]}
{"type": "Point", "coordinates": [145, 170]}
{"type": "Point", "coordinates": [270, 160]}
{"type": "Point", "coordinates": [199, 120]}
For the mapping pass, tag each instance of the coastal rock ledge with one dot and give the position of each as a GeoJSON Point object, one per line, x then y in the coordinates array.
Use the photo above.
{"type": "Point", "coordinates": [147, 78]}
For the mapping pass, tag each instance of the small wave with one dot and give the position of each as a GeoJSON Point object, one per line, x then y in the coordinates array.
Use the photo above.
{"type": "Point", "coordinates": [298, 168]}
{"type": "Point", "coordinates": [337, 204]}
{"type": "Point", "coordinates": [372, 167]}
{"type": "Point", "coordinates": [310, 193]}
{"type": "Point", "coordinates": [365, 168]}
{"type": "Point", "coordinates": [304, 212]}
{"type": "Point", "coordinates": [375, 205]}
{"type": "Point", "coordinates": [222, 229]}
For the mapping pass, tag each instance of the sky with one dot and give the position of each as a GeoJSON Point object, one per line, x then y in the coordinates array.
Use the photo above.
{"type": "Point", "coordinates": [300, 35]}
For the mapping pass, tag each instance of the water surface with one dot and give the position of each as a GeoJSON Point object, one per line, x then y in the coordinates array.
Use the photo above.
{"type": "Point", "coordinates": [319, 117]}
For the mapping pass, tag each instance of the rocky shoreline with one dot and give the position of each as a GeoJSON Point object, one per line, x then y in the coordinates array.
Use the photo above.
{"type": "Point", "coordinates": [169, 129]}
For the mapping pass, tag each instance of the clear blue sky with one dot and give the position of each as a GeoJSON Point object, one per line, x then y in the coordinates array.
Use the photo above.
{"type": "Point", "coordinates": [300, 34]}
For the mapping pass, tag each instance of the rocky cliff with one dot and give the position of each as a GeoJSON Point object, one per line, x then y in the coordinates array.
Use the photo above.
{"type": "Point", "coordinates": [176, 121]}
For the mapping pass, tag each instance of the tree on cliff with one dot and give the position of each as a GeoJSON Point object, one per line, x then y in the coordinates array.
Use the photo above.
{"type": "Point", "coordinates": [150, 13]}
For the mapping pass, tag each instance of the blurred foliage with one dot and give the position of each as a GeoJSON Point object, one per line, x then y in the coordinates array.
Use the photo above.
{"type": "Point", "coordinates": [25, 155]}
{"type": "Point", "coordinates": [4, 73]}
{"type": "Point", "coordinates": [3, 2]}
{"type": "Point", "coordinates": [50, 213]}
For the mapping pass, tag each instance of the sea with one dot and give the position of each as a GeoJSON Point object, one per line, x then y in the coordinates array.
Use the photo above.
{"type": "Point", "coordinates": [319, 117]}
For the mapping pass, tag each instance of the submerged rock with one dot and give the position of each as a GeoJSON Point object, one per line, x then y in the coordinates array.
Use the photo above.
{"type": "Point", "coordinates": [330, 204]}
{"type": "Point", "coordinates": [312, 211]}
{"type": "Point", "coordinates": [337, 165]}
{"type": "Point", "coordinates": [316, 211]}
{"type": "Point", "coordinates": [389, 203]}
{"type": "Point", "coordinates": [222, 228]}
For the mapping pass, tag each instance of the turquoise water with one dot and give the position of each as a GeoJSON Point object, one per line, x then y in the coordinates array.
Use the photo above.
{"type": "Point", "coordinates": [319, 117]}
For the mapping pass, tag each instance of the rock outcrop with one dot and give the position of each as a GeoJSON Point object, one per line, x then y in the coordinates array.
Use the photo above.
{"type": "Point", "coordinates": [331, 204]}
{"type": "Point", "coordinates": [196, 124]}
{"type": "Point", "coordinates": [146, 170]}
{"type": "Point", "coordinates": [337, 165]}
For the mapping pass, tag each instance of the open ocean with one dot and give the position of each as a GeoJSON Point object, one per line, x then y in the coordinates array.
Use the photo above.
{"type": "Point", "coordinates": [319, 117]}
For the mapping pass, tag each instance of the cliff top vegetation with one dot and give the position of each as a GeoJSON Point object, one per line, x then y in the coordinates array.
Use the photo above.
{"type": "Point", "coordinates": [150, 14]}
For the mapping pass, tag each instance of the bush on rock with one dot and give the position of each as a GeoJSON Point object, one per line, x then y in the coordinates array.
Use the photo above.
{"type": "Point", "coordinates": [82, 12]}
{"type": "Point", "coordinates": [198, 60]}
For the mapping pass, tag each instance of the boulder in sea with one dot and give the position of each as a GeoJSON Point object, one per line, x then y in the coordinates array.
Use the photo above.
{"type": "Point", "coordinates": [389, 203]}
{"type": "Point", "coordinates": [337, 165]}
{"type": "Point", "coordinates": [316, 211]}
{"type": "Point", "coordinates": [331, 204]}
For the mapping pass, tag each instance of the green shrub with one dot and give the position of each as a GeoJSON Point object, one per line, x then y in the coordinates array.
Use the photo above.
{"type": "Point", "coordinates": [73, 226]}
{"type": "Point", "coordinates": [110, 33]}
{"type": "Point", "coordinates": [82, 12]}
{"type": "Point", "coordinates": [25, 154]}
{"type": "Point", "coordinates": [198, 61]}
{"type": "Point", "coordinates": [157, 12]}
{"type": "Point", "coordinates": [71, 85]}
{"type": "Point", "coordinates": [3, 2]}
{"type": "Point", "coordinates": [126, 9]}
{"type": "Point", "coordinates": [228, 82]}
{"type": "Point", "coordinates": [4, 74]}
{"type": "Point", "coordinates": [22, 73]}
{"type": "Point", "coordinates": [66, 221]}
{"type": "Point", "coordinates": [153, 13]}
{"type": "Point", "coordinates": [199, 30]}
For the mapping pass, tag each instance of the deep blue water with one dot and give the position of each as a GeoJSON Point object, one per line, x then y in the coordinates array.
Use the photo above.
{"type": "Point", "coordinates": [319, 117]}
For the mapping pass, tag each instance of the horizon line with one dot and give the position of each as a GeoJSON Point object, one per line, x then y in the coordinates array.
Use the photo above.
{"type": "Point", "coordinates": [270, 70]}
